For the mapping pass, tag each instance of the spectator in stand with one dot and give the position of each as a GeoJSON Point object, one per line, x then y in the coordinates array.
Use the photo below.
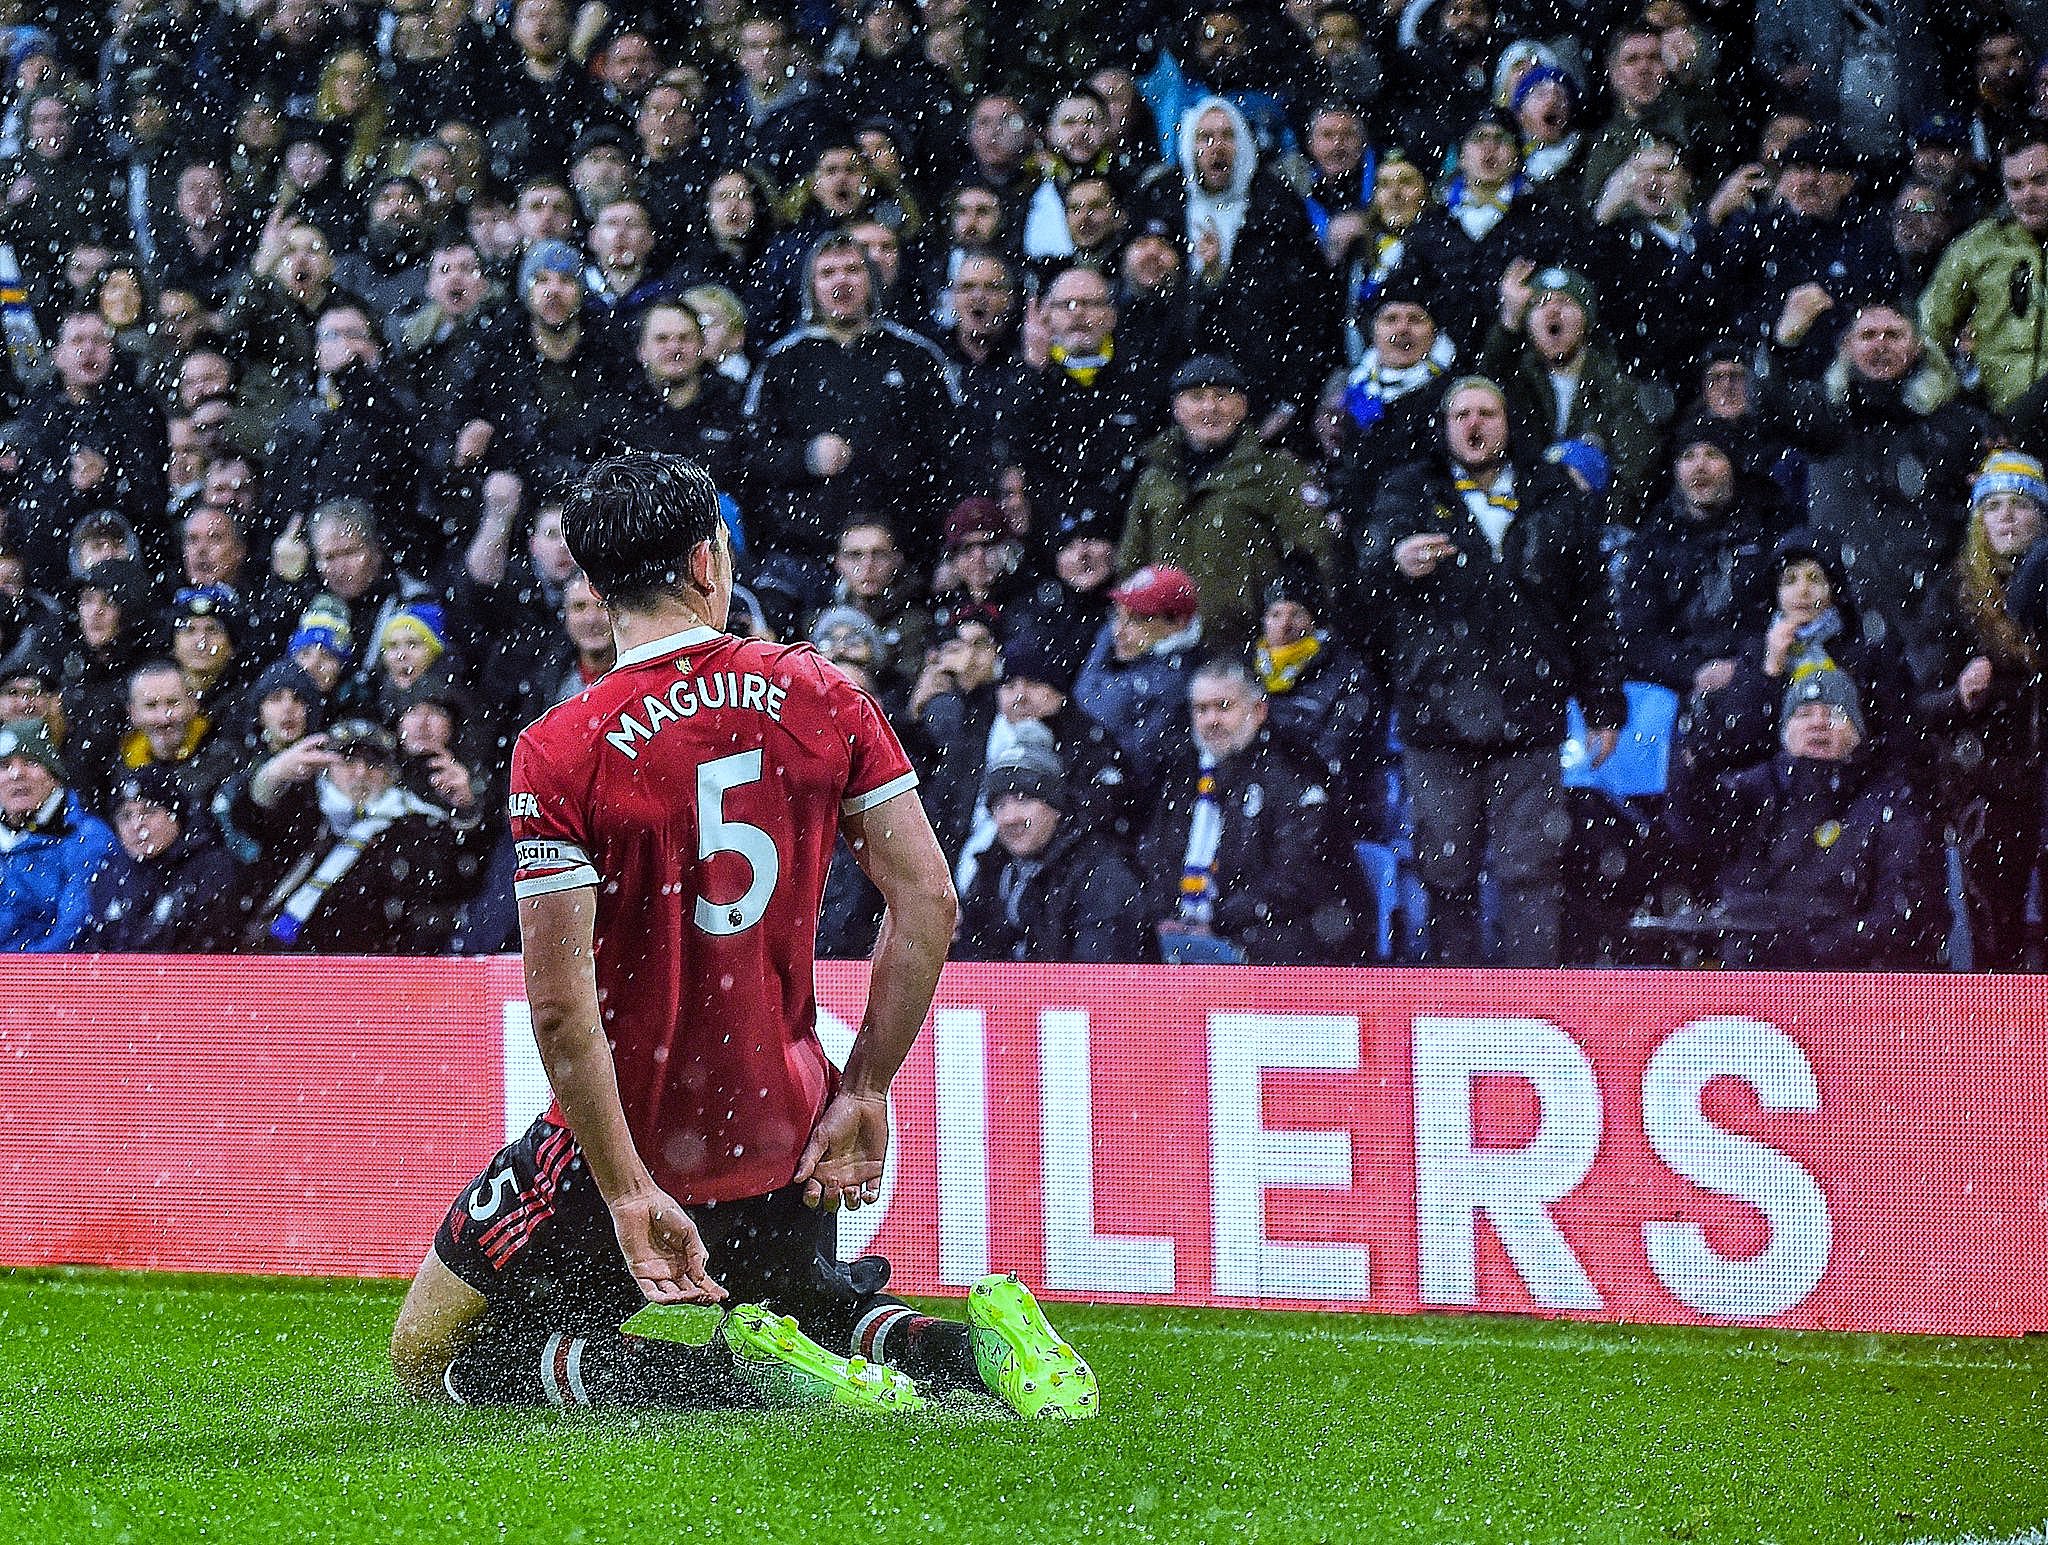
{"type": "Point", "coordinates": [1268, 301]}
{"type": "Point", "coordinates": [846, 413]}
{"type": "Point", "coordinates": [167, 729]}
{"type": "Point", "coordinates": [353, 434]}
{"type": "Point", "coordinates": [1386, 413]}
{"type": "Point", "coordinates": [1987, 292]}
{"type": "Point", "coordinates": [1135, 682]}
{"type": "Point", "coordinates": [357, 576]}
{"type": "Point", "coordinates": [1054, 889]}
{"type": "Point", "coordinates": [1981, 678]}
{"type": "Point", "coordinates": [1218, 504]}
{"type": "Point", "coordinates": [1486, 570]}
{"type": "Point", "coordinates": [671, 404]}
{"type": "Point", "coordinates": [1814, 621]}
{"type": "Point", "coordinates": [180, 890]}
{"type": "Point", "coordinates": [1646, 107]}
{"type": "Point", "coordinates": [273, 310]}
{"type": "Point", "coordinates": [1065, 611]}
{"type": "Point", "coordinates": [1239, 860]}
{"type": "Point", "coordinates": [954, 707]}
{"type": "Point", "coordinates": [53, 852]}
{"type": "Point", "coordinates": [1562, 379]}
{"type": "Point", "coordinates": [1826, 861]}
{"type": "Point", "coordinates": [1695, 561]}
{"type": "Point", "coordinates": [978, 578]}
{"type": "Point", "coordinates": [1890, 450]}
{"type": "Point", "coordinates": [347, 860]}
{"type": "Point", "coordinates": [869, 577]}
{"type": "Point", "coordinates": [1322, 696]}
{"type": "Point", "coordinates": [91, 443]}
{"type": "Point", "coordinates": [1092, 406]}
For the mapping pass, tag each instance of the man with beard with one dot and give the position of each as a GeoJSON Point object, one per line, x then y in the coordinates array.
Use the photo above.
{"type": "Point", "coordinates": [388, 268]}
{"type": "Point", "coordinates": [974, 223]}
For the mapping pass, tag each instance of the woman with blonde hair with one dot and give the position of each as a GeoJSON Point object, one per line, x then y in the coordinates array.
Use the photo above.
{"type": "Point", "coordinates": [1980, 674]}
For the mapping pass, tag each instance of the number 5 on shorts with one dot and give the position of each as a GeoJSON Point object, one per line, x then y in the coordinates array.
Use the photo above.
{"type": "Point", "coordinates": [715, 834]}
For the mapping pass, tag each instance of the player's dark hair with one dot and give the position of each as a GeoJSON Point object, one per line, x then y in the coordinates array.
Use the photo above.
{"type": "Point", "coordinates": [632, 522]}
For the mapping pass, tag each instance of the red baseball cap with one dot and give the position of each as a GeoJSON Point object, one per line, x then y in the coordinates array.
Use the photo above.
{"type": "Point", "coordinates": [976, 519]}
{"type": "Point", "coordinates": [1158, 590]}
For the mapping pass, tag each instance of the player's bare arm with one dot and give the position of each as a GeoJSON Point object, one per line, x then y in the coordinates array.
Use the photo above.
{"type": "Point", "coordinates": [660, 1244]}
{"type": "Point", "coordinates": [894, 844]}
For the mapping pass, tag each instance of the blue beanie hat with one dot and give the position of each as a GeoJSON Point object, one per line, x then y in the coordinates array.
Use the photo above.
{"type": "Point", "coordinates": [2010, 472]}
{"type": "Point", "coordinates": [1533, 78]}
{"type": "Point", "coordinates": [548, 257]}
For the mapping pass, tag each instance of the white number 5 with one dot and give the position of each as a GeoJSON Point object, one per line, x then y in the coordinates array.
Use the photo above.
{"type": "Point", "coordinates": [715, 834]}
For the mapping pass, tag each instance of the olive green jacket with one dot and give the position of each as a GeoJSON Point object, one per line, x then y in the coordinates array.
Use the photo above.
{"type": "Point", "coordinates": [1229, 529]}
{"type": "Point", "coordinates": [1989, 284]}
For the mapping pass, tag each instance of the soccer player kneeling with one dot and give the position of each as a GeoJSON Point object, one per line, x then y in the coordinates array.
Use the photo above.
{"type": "Point", "coordinates": [674, 824]}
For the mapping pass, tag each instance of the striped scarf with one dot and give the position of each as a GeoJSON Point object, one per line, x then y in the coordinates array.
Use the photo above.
{"type": "Point", "coordinates": [1198, 866]}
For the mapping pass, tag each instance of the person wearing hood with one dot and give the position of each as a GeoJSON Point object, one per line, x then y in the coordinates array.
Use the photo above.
{"type": "Point", "coordinates": [1545, 101]}
{"type": "Point", "coordinates": [1890, 450]}
{"type": "Point", "coordinates": [1052, 887]}
{"type": "Point", "coordinates": [181, 890]}
{"type": "Point", "coordinates": [1824, 858]}
{"type": "Point", "coordinates": [1814, 620]}
{"type": "Point", "coordinates": [1980, 670]}
{"type": "Point", "coordinates": [1486, 217]}
{"type": "Point", "coordinates": [847, 413]}
{"type": "Point", "coordinates": [1265, 295]}
{"type": "Point", "coordinates": [53, 852]}
{"type": "Point", "coordinates": [346, 859]}
{"type": "Point", "coordinates": [1217, 504]}
{"type": "Point", "coordinates": [1694, 562]}
{"type": "Point", "coordinates": [1562, 379]}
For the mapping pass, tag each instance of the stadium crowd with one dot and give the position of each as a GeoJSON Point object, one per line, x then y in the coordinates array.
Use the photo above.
{"type": "Point", "coordinates": [1221, 436]}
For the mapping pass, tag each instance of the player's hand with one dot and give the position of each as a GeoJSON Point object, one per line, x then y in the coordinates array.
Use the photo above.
{"type": "Point", "coordinates": [663, 1249]}
{"type": "Point", "coordinates": [842, 1163]}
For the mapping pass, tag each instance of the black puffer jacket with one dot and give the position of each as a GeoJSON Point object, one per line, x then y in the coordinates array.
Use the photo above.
{"type": "Point", "coordinates": [1285, 893]}
{"type": "Point", "coordinates": [1483, 654]}
{"type": "Point", "coordinates": [1689, 588]}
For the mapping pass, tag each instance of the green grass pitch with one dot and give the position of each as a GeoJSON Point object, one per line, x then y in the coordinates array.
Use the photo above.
{"type": "Point", "coordinates": [153, 1408]}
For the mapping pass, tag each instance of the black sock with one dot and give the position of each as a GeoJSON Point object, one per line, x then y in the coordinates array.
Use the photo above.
{"type": "Point", "coordinates": [936, 1353]}
{"type": "Point", "coordinates": [600, 1368]}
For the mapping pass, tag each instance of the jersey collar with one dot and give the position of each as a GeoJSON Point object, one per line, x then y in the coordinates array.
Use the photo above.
{"type": "Point", "coordinates": [654, 649]}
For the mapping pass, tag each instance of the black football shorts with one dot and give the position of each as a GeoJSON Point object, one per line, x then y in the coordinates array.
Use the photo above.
{"type": "Point", "coordinates": [534, 1237]}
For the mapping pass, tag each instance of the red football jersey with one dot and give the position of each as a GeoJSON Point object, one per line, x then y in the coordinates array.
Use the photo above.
{"type": "Point", "coordinates": [699, 787]}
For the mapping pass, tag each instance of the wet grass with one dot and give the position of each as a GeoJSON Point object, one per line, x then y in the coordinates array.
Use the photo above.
{"type": "Point", "coordinates": [188, 1408]}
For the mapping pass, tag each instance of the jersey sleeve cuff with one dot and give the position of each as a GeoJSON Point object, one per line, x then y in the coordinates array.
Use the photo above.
{"type": "Point", "coordinates": [873, 797]}
{"type": "Point", "coordinates": [548, 884]}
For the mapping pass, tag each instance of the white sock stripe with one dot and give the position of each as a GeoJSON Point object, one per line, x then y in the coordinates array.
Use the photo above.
{"type": "Point", "coordinates": [448, 1383]}
{"type": "Point", "coordinates": [576, 1389]}
{"type": "Point", "coordinates": [550, 1380]}
{"type": "Point", "coordinates": [878, 1336]}
{"type": "Point", "coordinates": [864, 1325]}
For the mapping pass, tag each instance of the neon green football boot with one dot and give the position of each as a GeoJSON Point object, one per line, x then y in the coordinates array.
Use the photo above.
{"type": "Point", "coordinates": [790, 1369]}
{"type": "Point", "coordinates": [1021, 1358]}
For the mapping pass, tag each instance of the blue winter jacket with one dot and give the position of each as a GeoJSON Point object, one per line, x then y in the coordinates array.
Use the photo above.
{"type": "Point", "coordinates": [46, 879]}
